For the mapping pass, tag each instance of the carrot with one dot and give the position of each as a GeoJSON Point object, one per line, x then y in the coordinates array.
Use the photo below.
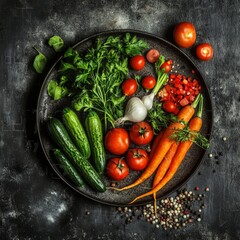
{"type": "Point", "coordinates": [155, 144]}
{"type": "Point", "coordinates": [162, 169]}
{"type": "Point", "coordinates": [164, 144]}
{"type": "Point", "coordinates": [194, 125]}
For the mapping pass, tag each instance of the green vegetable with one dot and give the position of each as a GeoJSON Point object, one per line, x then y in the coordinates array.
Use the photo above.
{"type": "Point", "coordinates": [62, 139]}
{"type": "Point", "coordinates": [56, 42]}
{"type": "Point", "coordinates": [55, 90]}
{"type": "Point", "coordinates": [159, 118]}
{"type": "Point", "coordinates": [186, 134]}
{"type": "Point", "coordinates": [133, 46]}
{"type": "Point", "coordinates": [95, 78]}
{"type": "Point", "coordinates": [76, 131]}
{"type": "Point", "coordinates": [39, 62]}
{"type": "Point", "coordinates": [95, 136]}
{"type": "Point", "coordinates": [68, 168]}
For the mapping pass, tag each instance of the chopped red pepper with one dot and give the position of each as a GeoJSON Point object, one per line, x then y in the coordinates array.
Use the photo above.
{"type": "Point", "coordinates": [180, 89]}
{"type": "Point", "coordinates": [184, 102]}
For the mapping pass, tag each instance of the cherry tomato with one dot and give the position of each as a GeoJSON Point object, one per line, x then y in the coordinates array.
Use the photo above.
{"type": "Point", "coordinates": [167, 66]}
{"type": "Point", "coordinates": [184, 34]}
{"type": "Point", "coordinates": [152, 55]}
{"type": "Point", "coordinates": [117, 169]}
{"type": "Point", "coordinates": [117, 141]}
{"type": "Point", "coordinates": [137, 62]}
{"type": "Point", "coordinates": [169, 106]}
{"type": "Point", "coordinates": [129, 87]}
{"type": "Point", "coordinates": [137, 159]}
{"type": "Point", "coordinates": [149, 82]}
{"type": "Point", "coordinates": [204, 51]}
{"type": "Point", "coordinates": [141, 133]}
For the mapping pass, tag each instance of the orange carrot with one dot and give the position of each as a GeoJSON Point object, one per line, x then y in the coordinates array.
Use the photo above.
{"type": "Point", "coordinates": [162, 169]}
{"type": "Point", "coordinates": [194, 125]}
{"type": "Point", "coordinates": [164, 144]}
{"type": "Point", "coordinates": [155, 144]}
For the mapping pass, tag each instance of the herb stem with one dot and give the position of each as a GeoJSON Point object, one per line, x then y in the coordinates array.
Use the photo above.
{"type": "Point", "coordinates": [196, 101]}
{"type": "Point", "coordinates": [200, 107]}
{"type": "Point", "coordinates": [162, 79]}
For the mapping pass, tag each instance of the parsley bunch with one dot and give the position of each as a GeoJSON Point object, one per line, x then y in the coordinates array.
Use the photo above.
{"type": "Point", "coordinates": [94, 79]}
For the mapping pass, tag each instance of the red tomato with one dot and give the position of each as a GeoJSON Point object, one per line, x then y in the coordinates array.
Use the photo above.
{"type": "Point", "coordinates": [149, 82]}
{"type": "Point", "coordinates": [137, 159]}
{"type": "Point", "coordinates": [137, 62]}
{"type": "Point", "coordinates": [152, 55]}
{"type": "Point", "coordinates": [204, 51]}
{"type": "Point", "coordinates": [129, 87]}
{"type": "Point", "coordinates": [184, 34]}
{"type": "Point", "coordinates": [117, 141]}
{"type": "Point", "coordinates": [169, 106]}
{"type": "Point", "coordinates": [141, 133]}
{"type": "Point", "coordinates": [167, 66]}
{"type": "Point", "coordinates": [117, 169]}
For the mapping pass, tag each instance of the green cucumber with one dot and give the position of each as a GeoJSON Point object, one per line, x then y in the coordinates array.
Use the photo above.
{"type": "Point", "coordinates": [68, 168]}
{"type": "Point", "coordinates": [76, 131]}
{"type": "Point", "coordinates": [60, 136]}
{"type": "Point", "coordinates": [94, 131]}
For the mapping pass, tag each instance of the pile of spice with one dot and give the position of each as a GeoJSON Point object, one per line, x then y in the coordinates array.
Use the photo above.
{"type": "Point", "coordinates": [172, 212]}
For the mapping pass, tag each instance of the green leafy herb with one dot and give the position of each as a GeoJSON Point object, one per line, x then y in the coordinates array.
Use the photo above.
{"type": "Point", "coordinates": [159, 118]}
{"type": "Point", "coordinates": [134, 46]}
{"type": "Point", "coordinates": [94, 79]}
{"type": "Point", "coordinates": [56, 42]}
{"type": "Point", "coordinates": [55, 90]}
{"type": "Point", "coordinates": [39, 62]}
{"type": "Point", "coordinates": [185, 134]}
{"type": "Point", "coordinates": [66, 66]}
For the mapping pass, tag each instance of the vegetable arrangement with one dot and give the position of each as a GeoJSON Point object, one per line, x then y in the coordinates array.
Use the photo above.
{"type": "Point", "coordinates": [179, 152]}
{"type": "Point", "coordinates": [94, 80]}
{"type": "Point", "coordinates": [123, 114]}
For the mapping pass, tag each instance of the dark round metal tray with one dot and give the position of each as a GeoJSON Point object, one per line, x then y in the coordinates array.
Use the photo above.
{"type": "Point", "coordinates": [183, 64]}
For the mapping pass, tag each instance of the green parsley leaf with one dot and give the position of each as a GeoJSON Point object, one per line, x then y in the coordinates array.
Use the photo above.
{"type": "Point", "coordinates": [55, 90]}
{"type": "Point", "coordinates": [39, 62]}
{"type": "Point", "coordinates": [56, 42]}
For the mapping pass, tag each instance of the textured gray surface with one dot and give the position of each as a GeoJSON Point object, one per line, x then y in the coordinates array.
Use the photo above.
{"type": "Point", "coordinates": [35, 204]}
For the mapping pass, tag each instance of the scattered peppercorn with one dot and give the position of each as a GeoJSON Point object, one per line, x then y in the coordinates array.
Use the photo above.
{"type": "Point", "coordinates": [172, 212]}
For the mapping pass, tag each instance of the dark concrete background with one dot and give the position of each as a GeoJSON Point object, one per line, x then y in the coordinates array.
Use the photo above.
{"type": "Point", "coordinates": [34, 203]}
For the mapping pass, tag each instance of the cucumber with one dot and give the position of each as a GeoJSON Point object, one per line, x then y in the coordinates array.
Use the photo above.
{"type": "Point", "coordinates": [76, 131]}
{"type": "Point", "coordinates": [68, 168]}
{"type": "Point", "coordinates": [62, 139]}
{"type": "Point", "coordinates": [94, 131]}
